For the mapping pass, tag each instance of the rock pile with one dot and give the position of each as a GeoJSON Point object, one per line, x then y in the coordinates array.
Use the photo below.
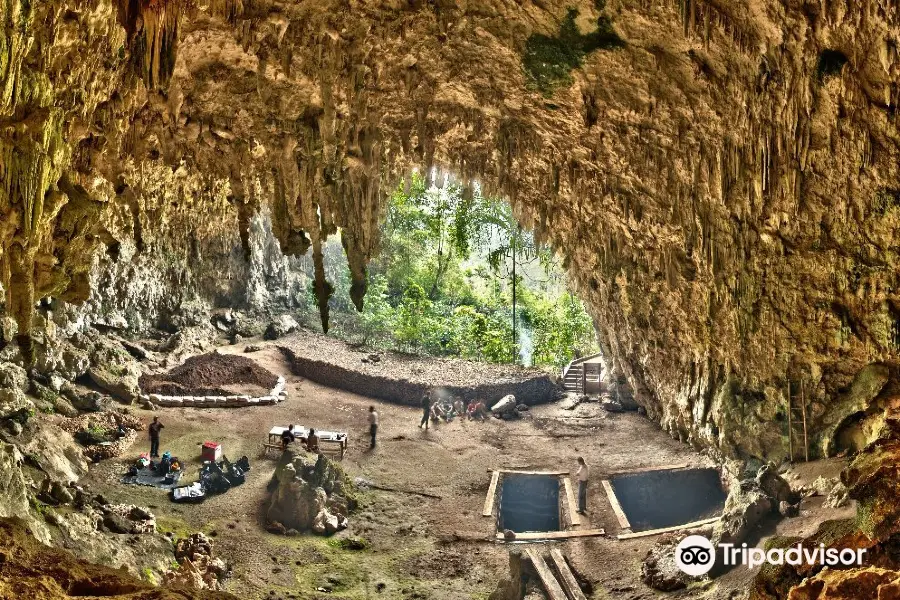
{"type": "Point", "coordinates": [127, 518]}
{"type": "Point", "coordinates": [198, 568]}
{"type": "Point", "coordinates": [99, 433]}
{"type": "Point", "coordinates": [310, 493]}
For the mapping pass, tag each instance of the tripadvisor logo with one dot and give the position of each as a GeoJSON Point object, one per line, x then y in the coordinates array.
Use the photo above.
{"type": "Point", "coordinates": [695, 555]}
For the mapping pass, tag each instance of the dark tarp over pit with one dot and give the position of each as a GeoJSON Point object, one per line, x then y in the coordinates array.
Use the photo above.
{"type": "Point", "coordinates": [529, 503]}
{"type": "Point", "coordinates": [657, 499]}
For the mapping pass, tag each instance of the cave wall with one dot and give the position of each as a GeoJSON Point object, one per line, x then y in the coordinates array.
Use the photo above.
{"type": "Point", "coordinates": [720, 177]}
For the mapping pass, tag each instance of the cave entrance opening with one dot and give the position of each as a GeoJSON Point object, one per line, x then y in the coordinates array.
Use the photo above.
{"type": "Point", "coordinates": [658, 499]}
{"type": "Point", "coordinates": [529, 503]}
{"type": "Point", "coordinates": [457, 275]}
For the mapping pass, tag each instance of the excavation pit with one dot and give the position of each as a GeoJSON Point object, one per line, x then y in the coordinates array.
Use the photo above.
{"type": "Point", "coordinates": [529, 503]}
{"type": "Point", "coordinates": [652, 500]}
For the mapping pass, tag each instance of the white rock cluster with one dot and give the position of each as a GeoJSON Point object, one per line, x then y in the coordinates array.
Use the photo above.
{"type": "Point", "coordinates": [276, 395]}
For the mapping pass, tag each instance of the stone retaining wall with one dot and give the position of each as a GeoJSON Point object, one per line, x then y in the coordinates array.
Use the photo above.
{"type": "Point", "coordinates": [278, 394]}
{"type": "Point", "coordinates": [535, 390]}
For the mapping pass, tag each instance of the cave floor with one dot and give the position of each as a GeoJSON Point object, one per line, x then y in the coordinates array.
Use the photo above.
{"type": "Point", "coordinates": [419, 547]}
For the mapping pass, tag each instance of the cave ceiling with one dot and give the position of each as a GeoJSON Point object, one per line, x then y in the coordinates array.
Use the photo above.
{"type": "Point", "coordinates": [720, 177]}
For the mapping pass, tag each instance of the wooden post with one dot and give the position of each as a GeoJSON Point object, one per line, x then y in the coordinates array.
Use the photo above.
{"type": "Point", "coordinates": [790, 422]}
{"type": "Point", "coordinates": [803, 408]}
{"type": "Point", "coordinates": [584, 378]}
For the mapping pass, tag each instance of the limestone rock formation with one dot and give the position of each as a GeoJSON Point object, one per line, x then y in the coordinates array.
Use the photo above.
{"type": "Point", "coordinates": [198, 568]}
{"type": "Point", "coordinates": [871, 479]}
{"type": "Point", "coordinates": [750, 501]}
{"type": "Point", "coordinates": [720, 177]}
{"type": "Point", "coordinates": [310, 493]}
{"type": "Point", "coordinates": [32, 570]}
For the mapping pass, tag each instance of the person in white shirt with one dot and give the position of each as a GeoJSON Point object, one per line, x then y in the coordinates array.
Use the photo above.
{"type": "Point", "coordinates": [373, 426]}
{"type": "Point", "coordinates": [582, 476]}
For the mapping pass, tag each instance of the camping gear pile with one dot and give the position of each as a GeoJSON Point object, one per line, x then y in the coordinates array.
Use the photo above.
{"type": "Point", "coordinates": [215, 478]}
{"type": "Point", "coordinates": [164, 473]}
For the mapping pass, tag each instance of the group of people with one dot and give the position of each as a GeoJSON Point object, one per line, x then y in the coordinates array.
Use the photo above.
{"type": "Point", "coordinates": [288, 437]}
{"type": "Point", "coordinates": [435, 409]}
{"type": "Point", "coordinates": [430, 411]}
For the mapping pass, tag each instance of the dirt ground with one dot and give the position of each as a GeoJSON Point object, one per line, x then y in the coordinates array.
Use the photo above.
{"type": "Point", "coordinates": [415, 550]}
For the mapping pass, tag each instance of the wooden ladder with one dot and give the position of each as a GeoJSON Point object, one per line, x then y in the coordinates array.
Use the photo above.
{"type": "Point", "coordinates": [793, 411]}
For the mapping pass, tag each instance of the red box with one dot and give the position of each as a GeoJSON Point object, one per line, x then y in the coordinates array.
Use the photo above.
{"type": "Point", "coordinates": [212, 451]}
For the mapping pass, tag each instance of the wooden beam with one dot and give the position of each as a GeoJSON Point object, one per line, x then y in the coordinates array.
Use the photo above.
{"type": "Point", "coordinates": [492, 492]}
{"type": "Point", "coordinates": [617, 508]}
{"type": "Point", "coordinates": [790, 423]}
{"type": "Point", "coordinates": [531, 536]}
{"type": "Point", "coordinates": [652, 469]}
{"type": "Point", "coordinates": [554, 590]}
{"type": "Point", "coordinates": [805, 439]}
{"type": "Point", "coordinates": [640, 534]}
{"type": "Point", "coordinates": [574, 517]}
{"type": "Point", "coordinates": [566, 577]}
{"type": "Point", "coordinates": [550, 473]}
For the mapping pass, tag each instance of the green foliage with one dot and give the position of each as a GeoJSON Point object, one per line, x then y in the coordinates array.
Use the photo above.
{"type": "Point", "coordinates": [548, 61]}
{"type": "Point", "coordinates": [442, 284]}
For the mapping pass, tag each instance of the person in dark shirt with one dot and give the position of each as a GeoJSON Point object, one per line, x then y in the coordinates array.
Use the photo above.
{"type": "Point", "coordinates": [287, 436]}
{"type": "Point", "coordinates": [154, 428]}
{"type": "Point", "coordinates": [426, 410]}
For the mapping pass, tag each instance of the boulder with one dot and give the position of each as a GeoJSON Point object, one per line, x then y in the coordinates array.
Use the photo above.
{"type": "Point", "coordinates": [505, 405]}
{"type": "Point", "coordinates": [612, 406]}
{"type": "Point", "coordinates": [749, 502]}
{"type": "Point", "coordinates": [115, 523]}
{"type": "Point", "coordinates": [310, 492]}
{"type": "Point", "coordinates": [119, 381]}
{"type": "Point", "coordinates": [55, 451]}
{"type": "Point", "coordinates": [61, 493]}
{"type": "Point", "coordinates": [787, 509]}
{"type": "Point", "coordinates": [659, 570]}
{"type": "Point", "coordinates": [13, 376]}
{"type": "Point", "coordinates": [84, 399]}
{"type": "Point", "coordinates": [280, 327]}
{"type": "Point", "coordinates": [838, 497]}
{"type": "Point", "coordinates": [13, 402]}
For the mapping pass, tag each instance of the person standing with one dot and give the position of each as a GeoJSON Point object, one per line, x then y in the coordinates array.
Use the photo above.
{"type": "Point", "coordinates": [582, 476]}
{"type": "Point", "coordinates": [426, 410]}
{"type": "Point", "coordinates": [154, 428]}
{"type": "Point", "coordinates": [373, 426]}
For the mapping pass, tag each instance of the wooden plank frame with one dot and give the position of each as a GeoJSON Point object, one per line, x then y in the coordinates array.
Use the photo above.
{"type": "Point", "coordinates": [548, 473]}
{"type": "Point", "coordinates": [551, 585]}
{"type": "Point", "coordinates": [491, 494]}
{"type": "Point", "coordinates": [566, 577]}
{"type": "Point", "coordinates": [640, 534]}
{"type": "Point", "coordinates": [534, 536]}
{"type": "Point", "coordinates": [574, 517]}
{"type": "Point", "coordinates": [617, 508]}
{"type": "Point", "coordinates": [676, 467]}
